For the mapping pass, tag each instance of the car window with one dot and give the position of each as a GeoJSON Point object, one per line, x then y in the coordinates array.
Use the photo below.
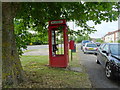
{"type": "Point", "coordinates": [106, 48]}
{"type": "Point", "coordinates": [115, 49]}
{"type": "Point", "coordinates": [85, 41]}
{"type": "Point", "coordinates": [91, 45]}
{"type": "Point", "coordinates": [101, 46]}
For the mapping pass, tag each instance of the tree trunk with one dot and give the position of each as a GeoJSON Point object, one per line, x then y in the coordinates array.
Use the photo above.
{"type": "Point", "coordinates": [12, 72]}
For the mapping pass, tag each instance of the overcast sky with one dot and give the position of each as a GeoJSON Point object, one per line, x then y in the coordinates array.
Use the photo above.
{"type": "Point", "coordinates": [102, 28]}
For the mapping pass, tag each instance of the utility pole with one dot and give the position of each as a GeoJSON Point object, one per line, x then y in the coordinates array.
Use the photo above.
{"type": "Point", "coordinates": [72, 39]}
{"type": "Point", "coordinates": [118, 19]}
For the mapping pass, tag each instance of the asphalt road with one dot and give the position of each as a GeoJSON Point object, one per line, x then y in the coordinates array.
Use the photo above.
{"type": "Point", "coordinates": [96, 72]}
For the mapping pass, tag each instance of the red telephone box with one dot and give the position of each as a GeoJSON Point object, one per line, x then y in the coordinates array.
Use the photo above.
{"type": "Point", "coordinates": [58, 43]}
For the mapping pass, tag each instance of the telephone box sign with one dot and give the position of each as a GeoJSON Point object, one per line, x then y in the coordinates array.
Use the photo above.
{"type": "Point", "coordinates": [57, 22]}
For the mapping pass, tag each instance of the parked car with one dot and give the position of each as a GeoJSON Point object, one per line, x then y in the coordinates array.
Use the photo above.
{"type": "Point", "coordinates": [83, 43]}
{"type": "Point", "coordinates": [90, 48]}
{"type": "Point", "coordinates": [98, 44]}
{"type": "Point", "coordinates": [109, 57]}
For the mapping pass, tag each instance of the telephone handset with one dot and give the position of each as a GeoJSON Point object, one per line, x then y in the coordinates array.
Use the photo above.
{"type": "Point", "coordinates": [55, 47]}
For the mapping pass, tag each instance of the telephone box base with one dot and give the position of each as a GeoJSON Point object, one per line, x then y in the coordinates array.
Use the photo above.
{"type": "Point", "coordinates": [58, 61]}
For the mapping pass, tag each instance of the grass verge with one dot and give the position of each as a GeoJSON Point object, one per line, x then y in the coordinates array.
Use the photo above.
{"type": "Point", "coordinates": [39, 75]}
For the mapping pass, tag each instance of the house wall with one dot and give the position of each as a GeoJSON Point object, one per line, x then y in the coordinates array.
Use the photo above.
{"type": "Point", "coordinates": [113, 37]}
{"type": "Point", "coordinates": [118, 36]}
{"type": "Point", "coordinates": [107, 38]}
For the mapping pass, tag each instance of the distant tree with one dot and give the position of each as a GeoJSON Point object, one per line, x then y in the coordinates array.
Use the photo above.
{"type": "Point", "coordinates": [118, 41]}
{"type": "Point", "coordinates": [22, 36]}
{"type": "Point", "coordinates": [80, 38]}
{"type": "Point", "coordinates": [99, 40]}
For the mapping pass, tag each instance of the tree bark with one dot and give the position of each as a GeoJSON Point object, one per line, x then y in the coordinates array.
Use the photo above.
{"type": "Point", "coordinates": [12, 72]}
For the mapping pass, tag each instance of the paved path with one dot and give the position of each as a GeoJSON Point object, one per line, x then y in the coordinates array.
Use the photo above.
{"type": "Point", "coordinates": [96, 72]}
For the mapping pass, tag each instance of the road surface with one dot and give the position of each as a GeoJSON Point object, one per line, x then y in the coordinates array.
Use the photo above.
{"type": "Point", "coordinates": [96, 72]}
{"type": "Point", "coordinates": [37, 50]}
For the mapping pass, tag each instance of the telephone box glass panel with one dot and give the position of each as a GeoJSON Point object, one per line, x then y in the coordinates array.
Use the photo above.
{"type": "Point", "coordinates": [57, 42]}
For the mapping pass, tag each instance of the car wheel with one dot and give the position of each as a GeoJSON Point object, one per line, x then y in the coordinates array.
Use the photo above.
{"type": "Point", "coordinates": [81, 48]}
{"type": "Point", "coordinates": [95, 54]}
{"type": "Point", "coordinates": [97, 61]}
{"type": "Point", "coordinates": [84, 52]}
{"type": "Point", "coordinates": [108, 71]}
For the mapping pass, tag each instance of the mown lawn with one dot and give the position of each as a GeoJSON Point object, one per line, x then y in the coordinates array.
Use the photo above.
{"type": "Point", "coordinates": [39, 75]}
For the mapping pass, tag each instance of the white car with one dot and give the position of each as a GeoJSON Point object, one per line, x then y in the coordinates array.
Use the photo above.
{"type": "Point", "coordinates": [90, 48]}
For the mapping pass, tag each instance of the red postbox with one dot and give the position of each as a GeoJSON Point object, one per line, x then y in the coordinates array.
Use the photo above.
{"type": "Point", "coordinates": [58, 43]}
{"type": "Point", "coordinates": [71, 45]}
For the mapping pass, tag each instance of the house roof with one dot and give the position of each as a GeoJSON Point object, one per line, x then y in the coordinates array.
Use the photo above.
{"type": "Point", "coordinates": [109, 33]}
